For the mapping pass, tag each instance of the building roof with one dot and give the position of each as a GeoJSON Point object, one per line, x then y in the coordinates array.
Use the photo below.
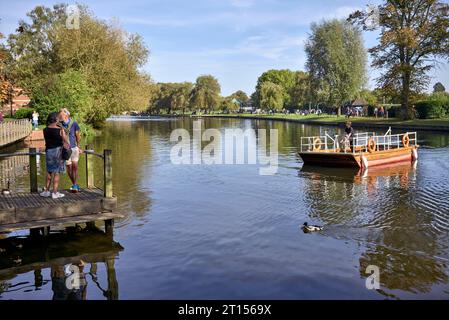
{"type": "Point", "coordinates": [359, 102]}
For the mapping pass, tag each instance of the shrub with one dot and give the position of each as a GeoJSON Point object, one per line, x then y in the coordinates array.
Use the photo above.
{"type": "Point", "coordinates": [431, 109]}
{"type": "Point", "coordinates": [23, 113]}
{"type": "Point", "coordinates": [69, 89]}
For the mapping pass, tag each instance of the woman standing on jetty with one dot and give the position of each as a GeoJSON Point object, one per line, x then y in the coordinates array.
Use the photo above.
{"type": "Point", "coordinates": [55, 140]}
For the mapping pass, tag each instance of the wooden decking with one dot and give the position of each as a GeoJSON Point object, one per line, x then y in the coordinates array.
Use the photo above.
{"type": "Point", "coordinates": [30, 210]}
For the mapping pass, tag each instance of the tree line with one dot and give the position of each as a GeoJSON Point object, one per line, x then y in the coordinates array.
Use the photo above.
{"type": "Point", "coordinates": [96, 69]}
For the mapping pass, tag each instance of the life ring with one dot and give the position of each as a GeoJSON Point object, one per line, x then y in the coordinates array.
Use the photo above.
{"type": "Point", "coordinates": [317, 144]}
{"type": "Point", "coordinates": [406, 140]}
{"type": "Point", "coordinates": [371, 145]}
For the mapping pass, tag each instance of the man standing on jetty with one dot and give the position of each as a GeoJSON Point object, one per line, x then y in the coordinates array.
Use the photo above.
{"type": "Point", "coordinates": [73, 131]}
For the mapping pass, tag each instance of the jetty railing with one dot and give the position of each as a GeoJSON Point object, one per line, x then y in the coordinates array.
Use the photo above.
{"type": "Point", "coordinates": [88, 152]}
{"type": "Point", "coordinates": [15, 130]}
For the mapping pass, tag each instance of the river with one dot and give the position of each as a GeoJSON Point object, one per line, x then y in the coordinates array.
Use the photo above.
{"type": "Point", "coordinates": [227, 232]}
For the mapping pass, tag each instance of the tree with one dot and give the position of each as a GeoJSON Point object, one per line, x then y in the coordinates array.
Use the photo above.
{"type": "Point", "coordinates": [69, 89]}
{"type": "Point", "coordinates": [108, 57]}
{"type": "Point", "coordinates": [285, 78]}
{"type": "Point", "coordinates": [413, 34]}
{"type": "Point", "coordinates": [369, 97]}
{"type": "Point", "coordinates": [300, 92]}
{"type": "Point", "coordinates": [4, 84]}
{"type": "Point", "coordinates": [229, 104]}
{"type": "Point", "coordinates": [271, 96]}
{"type": "Point", "coordinates": [438, 87]}
{"type": "Point", "coordinates": [181, 95]}
{"type": "Point", "coordinates": [240, 96]}
{"type": "Point", "coordinates": [206, 93]}
{"type": "Point", "coordinates": [336, 62]}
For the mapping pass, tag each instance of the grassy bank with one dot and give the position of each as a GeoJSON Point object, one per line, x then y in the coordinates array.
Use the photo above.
{"type": "Point", "coordinates": [417, 124]}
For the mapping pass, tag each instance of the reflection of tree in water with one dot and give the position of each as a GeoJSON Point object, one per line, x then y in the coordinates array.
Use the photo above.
{"type": "Point", "coordinates": [405, 247]}
{"type": "Point", "coordinates": [131, 153]}
{"type": "Point", "coordinates": [379, 210]}
{"type": "Point", "coordinates": [401, 262]}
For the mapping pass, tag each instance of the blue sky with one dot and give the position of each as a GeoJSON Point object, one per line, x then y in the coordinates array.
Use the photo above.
{"type": "Point", "coordinates": [234, 40]}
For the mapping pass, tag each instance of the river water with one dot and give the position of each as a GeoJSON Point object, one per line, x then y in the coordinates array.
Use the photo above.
{"type": "Point", "coordinates": [227, 232]}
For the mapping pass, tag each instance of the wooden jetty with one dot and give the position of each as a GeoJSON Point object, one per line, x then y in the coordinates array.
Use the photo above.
{"type": "Point", "coordinates": [20, 211]}
{"type": "Point", "coordinates": [14, 131]}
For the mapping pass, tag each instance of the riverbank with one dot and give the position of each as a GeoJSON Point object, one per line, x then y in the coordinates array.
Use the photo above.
{"type": "Point", "coordinates": [381, 123]}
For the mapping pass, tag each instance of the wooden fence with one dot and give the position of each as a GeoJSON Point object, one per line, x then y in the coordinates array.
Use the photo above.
{"type": "Point", "coordinates": [13, 131]}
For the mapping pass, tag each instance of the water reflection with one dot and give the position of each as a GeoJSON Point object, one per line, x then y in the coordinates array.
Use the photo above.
{"type": "Point", "coordinates": [187, 224]}
{"type": "Point", "coordinates": [80, 251]}
{"type": "Point", "coordinates": [377, 209]}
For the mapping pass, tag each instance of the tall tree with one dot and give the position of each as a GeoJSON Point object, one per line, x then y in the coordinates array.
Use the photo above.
{"type": "Point", "coordinates": [108, 57]}
{"type": "Point", "coordinates": [206, 93]}
{"type": "Point", "coordinates": [438, 87]}
{"type": "Point", "coordinates": [4, 84]}
{"type": "Point", "coordinates": [336, 62]}
{"type": "Point", "coordinates": [285, 78]}
{"type": "Point", "coordinates": [300, 93]}
{"type": "Point", "coordinates": [413, 34]}
{"type": "Point", "coordinates": [271, 96]}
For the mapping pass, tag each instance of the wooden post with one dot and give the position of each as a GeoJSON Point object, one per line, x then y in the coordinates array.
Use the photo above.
{"type": "Point", "coordinates": [109, 227]}
{"type": "Point", "coordinates": [107, 173]}
{"type": "Point", "coordinates": [89, 169]}
{"type": "Point", "coordinates": [112, 292]}
{"type": "Point", "coordinates": [33, 170]}
{"type": "Point", "coordinates": [46, 231]}
{"type": "Point", "coordinates": [35, 232]}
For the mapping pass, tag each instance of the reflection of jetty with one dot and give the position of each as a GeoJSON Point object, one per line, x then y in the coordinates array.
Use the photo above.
{"type": "Point", "coordinates": [30, 211]}
{"type": "Point", "coordinates": [58, 251]}
{"type": "Point", "coordinates": [367, 150]}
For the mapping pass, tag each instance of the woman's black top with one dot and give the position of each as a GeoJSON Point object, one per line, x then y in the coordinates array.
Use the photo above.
{"type": "Point", "coordinates": [52, 138]}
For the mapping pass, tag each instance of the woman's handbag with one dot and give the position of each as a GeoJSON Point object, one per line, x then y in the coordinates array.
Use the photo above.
{"type": "Point", "coordinates": [66, 153]}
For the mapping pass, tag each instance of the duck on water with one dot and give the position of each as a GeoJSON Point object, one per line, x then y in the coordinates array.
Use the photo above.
{"type": "Point", "coordinates": [311, 228]}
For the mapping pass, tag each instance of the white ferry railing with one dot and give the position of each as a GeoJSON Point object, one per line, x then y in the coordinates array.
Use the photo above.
{"type": "Point", "coordinates": [360, 141]}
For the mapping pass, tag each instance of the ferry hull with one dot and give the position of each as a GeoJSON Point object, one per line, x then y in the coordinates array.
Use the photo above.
{"type": "Point", "coordinates": [376, 158]}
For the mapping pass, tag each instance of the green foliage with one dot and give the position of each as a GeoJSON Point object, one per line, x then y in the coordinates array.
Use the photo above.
{"type": "Point", "coordinates": [438, 87]}
{"type": "Point", "coordinates": [106, 56]}
{"type": "Point", "coordinates": [336, 62]}
{"type": "Point", "coordinates": [23, 113]}
{"type": "Point", "coordinates": [240, 96]}
{"type": "Point", "coordinates": [206, 93]}
{"type": "Point", "coordinates": [369, 97]}
{"type": "Point", "coordinates": [66, 90]}
{"type": "Point", "coordinates": [412, 34]}
{"type": "Point", "coordinates": [435, 107]}
{"type": "Point", "coordinates": [432, 109]}
{"type": "Point", "coordinates": [229, 104]}
{"type": "Point", "coordinates": [271, 96]}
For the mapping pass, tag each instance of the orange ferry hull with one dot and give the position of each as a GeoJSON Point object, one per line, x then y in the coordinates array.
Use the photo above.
{"type": "Point", "coordinates": [331, 158]}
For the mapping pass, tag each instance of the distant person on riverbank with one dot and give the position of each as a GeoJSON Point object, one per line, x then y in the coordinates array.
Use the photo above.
{"type": "Point", "coordinates": [1, 117]}
{"type": "Point", "coordinates": [382, 112]}
{"type": "Point", "coordinates": [375, 112]}
{"type": "Point", "coordinates": [35, 118]}
{"type": "Point", "coordinates": [55, 138]}
{"type": "Point", "coordinates": [73, 131]}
